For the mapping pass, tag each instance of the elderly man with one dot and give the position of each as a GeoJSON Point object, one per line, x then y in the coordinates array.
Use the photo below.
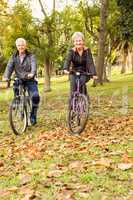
{"type": "Point", "coordinates": [24, 65]}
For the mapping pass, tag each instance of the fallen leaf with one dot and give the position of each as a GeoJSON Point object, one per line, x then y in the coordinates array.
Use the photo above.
{"type": "Point", "coordinates": [103, 162]}
{"type": "Point", "coordinates": [1, 163]}
{"type": "Point", "coordinates": [12, 189]}
{"type": "Point", "coordinates": [34, 153]}
{"type": "Point", "coordinates": [4, 193]}
{"type": "Point", "coordinates": [26, 191]}
{"type": "Point", "coordinates": [76, 164]}
{"type": "Point", "coordinates": [29, 196]}
{"type": "Point", "coordinates": [104, 198]}
{"type": "Point", "coordinates": [83, 194]}
{"type": "Point", "coordinates": [54, 173]}
{"type": "Point", "coordinates": [126, 158]}
{"type": "Point", "coordinates": [125, 166]}
{"type": "Point", "coordinates": [65, 195]}
{"type": "Point", "coordinates": [130, 198]}
{"type": "Point", "coordinates": [24, 179]}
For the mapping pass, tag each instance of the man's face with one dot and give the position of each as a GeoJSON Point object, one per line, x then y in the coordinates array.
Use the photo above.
{"type": "Point", "coordinates": [21, 47]}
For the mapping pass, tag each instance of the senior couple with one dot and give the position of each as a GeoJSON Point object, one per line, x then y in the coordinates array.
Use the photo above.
{"type": "Point", "coordinates": [23, 62]}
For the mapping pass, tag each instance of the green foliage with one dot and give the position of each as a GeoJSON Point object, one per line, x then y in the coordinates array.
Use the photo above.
{"type": "Point", "coordinates": [51, 36]}
{"type": "Point", "coordinates": [18, 25]}
{"type": "Point", "coordinates": [90, 17]}
{"type": "Point", "coordinates": [2, 64]}
{"type": "Point", "coordinates": [125, 20]}
{"type": "Point", "coordinates": [113, 15]}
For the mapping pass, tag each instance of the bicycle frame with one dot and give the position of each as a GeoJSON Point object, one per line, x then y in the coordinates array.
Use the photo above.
{"type": "Point", "coordinates": [77, 92]}
{"type": "Point", "coordinates": [25, 95]}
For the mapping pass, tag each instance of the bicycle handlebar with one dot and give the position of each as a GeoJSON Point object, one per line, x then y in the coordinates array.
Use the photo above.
{"type": "Point", "coordinates": [25, 77]}
{"type": "Point", "coordinates": [78, 73]}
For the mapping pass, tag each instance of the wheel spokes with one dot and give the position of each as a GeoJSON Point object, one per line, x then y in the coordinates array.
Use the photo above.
{"type": "Point", "coordinates": [78, 114]}
{"type": "Point", "coordinates": [18, 117]}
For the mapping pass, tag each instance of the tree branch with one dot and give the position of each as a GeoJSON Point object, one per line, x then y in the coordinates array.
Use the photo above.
{"type": "Point", "coordinates": [42, 8]}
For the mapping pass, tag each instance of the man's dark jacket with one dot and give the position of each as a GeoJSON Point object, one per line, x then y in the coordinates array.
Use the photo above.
{"type": "Point", "coordinates": [27, 66]}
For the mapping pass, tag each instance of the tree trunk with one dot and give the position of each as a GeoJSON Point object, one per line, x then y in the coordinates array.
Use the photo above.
{"type": "Point", "coordinates": [132, 61]}
{"type": "Point", "coordinates": [47, 72]}
{"type": "Point", "coordinates": [102, 39]}
{"type": "Point", "coordinates": [109, 68]}
{"type": "Point", "coordinates": [131, 58]}
{"type": "Point", "coordinates": [105, 79]}
{"type": "Point", "coordinates": [50, 39]}
{"type": "Point", "coordinates": [124, 61]}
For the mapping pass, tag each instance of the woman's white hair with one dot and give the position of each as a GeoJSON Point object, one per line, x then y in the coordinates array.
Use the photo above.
{"type": "Point", "coordinates": [20, 40]}
{"type": "Point", "coordinates": [77, 34]}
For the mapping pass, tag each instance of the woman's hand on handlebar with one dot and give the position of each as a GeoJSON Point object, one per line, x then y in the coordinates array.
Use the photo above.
{"type": "Point", "coordinates": [4, 79]}
{"type": "Point", "coordinates": [95, 77]}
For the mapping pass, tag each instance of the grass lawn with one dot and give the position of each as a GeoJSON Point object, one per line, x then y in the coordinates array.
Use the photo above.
{"type": "Point", "coordinates": [47, 163]}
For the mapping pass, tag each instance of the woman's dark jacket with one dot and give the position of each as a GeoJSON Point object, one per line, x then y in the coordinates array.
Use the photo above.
{"type": "Point", "coordinates": [21, 69]}
{"type": "Point", "coordinates": [80, 63]}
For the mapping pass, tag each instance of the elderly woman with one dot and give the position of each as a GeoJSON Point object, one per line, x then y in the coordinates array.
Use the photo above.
{"type": "Point", "coordinates": [79, 58]}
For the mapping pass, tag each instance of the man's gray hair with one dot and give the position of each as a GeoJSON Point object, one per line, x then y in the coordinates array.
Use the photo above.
{"type": "Point", "coordinates": [77, 34]}
{"type": "Point", "coordinates": [22, 40]}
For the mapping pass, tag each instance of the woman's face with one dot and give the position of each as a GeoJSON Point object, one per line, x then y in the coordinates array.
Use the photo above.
{"type": "Point", "coordinates": [78, 42]}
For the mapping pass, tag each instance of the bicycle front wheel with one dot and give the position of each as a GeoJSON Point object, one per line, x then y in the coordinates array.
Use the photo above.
{"type": "Point", "coordinates": [28, 109]}
{"type": "Point", "coordinates": [78, 114]}
{"type": "Point", "coordinates": [18, 116]}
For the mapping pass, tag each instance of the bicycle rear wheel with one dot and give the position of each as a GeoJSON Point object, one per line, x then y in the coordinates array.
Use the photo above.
{"type": "Point", "coordinates": [18, 116]}
{"type": "Point", "coordinates": [78, 114]}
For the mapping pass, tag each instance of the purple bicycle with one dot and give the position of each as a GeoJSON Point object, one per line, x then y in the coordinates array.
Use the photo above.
{"type": "Point", "coordinates": [78, 111]}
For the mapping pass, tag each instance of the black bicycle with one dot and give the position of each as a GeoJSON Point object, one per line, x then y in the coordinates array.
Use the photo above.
{"type": "Point", "coordinates": [78, 111]}
{"type": "Point", "coordinates": [20, 109]}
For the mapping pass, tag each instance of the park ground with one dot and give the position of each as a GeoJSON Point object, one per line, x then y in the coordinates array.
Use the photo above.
{"type": "Point", "coordinates": [47, 163]}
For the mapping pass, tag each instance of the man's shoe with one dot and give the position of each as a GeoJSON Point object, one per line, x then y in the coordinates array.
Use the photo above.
{"type": "Point", "coordinates": [33, 119]}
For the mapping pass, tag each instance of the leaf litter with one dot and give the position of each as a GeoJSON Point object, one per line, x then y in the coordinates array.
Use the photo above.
{"type": "Point", "coordinates": [99, 133]}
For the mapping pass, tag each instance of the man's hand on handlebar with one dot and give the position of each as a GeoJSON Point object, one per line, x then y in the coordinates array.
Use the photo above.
{"type": "Point", "coordinates": [30, 76]}
{"type": "Point", "coordinates": [66, 71]}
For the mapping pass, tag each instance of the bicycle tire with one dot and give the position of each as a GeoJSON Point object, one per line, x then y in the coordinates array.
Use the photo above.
{"type": "Point", "coordinates": [20, 114]}
{"type": "Point", "coordinates": [82, 102]}
{"type": "Point", "coordinates": [28, 109]}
